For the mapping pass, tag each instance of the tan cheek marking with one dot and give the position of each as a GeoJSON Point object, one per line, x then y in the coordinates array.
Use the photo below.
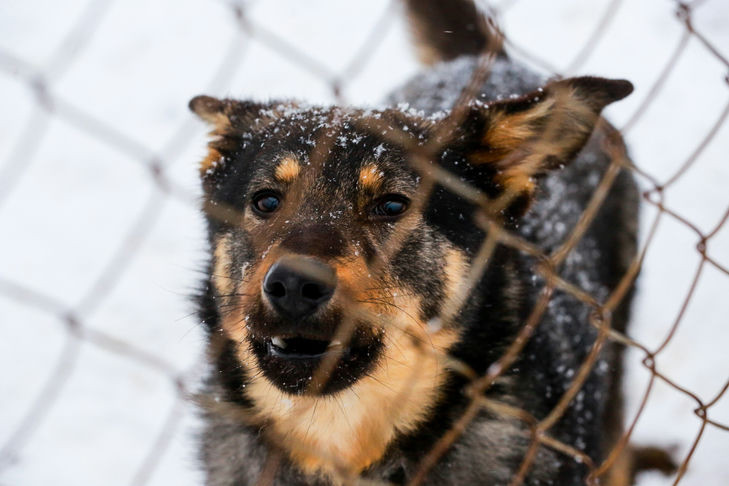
{"type": "Point", "coordinates": [355, 282]}
{"type": "Point", "coordinates": [288, 170]}
{"type": "Point", "coordinates": [456, 269]}
{"type": "Point", "coordinates": [235, 324]}
{"type": "Point", "coordinates": [370, 178]}
{"type": "Point", "coordinates": [222, 267]}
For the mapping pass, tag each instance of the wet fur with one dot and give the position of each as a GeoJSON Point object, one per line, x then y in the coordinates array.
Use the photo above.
{"type": "Point", "coordinates": [378, 418]}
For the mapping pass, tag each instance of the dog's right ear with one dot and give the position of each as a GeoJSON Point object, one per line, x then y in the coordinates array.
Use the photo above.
{"type": "Point", "coordinates": [231, 121]}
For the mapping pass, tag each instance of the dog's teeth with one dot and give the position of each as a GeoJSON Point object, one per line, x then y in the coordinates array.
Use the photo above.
{"type": "Point", "coordinates": [278, 342]}
{"type": "Point", "coordinates": [335, 344]}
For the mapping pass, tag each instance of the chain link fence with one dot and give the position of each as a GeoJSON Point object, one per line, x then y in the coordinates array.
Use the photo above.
{"type": "Point", "coordinates": [94, 298]}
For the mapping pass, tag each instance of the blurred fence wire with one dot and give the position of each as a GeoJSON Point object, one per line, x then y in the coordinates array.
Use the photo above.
{"type": "Point", "coordinates": [72, 315]}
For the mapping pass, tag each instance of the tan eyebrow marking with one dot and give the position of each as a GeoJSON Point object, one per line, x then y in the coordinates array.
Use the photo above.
{"type": "Point", "coordinates": [370, 178]}
{"type": "Point", "coordinates": [288, 170]}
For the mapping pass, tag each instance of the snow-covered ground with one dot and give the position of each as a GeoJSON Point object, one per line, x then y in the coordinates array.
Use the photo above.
{"type": "Point", "coordinates": [136, 67]}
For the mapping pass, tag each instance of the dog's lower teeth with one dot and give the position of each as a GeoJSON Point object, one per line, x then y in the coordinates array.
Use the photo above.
{"type": "Point", "coordinates": [278, 342]}
{"type": "Point", "coordinates": [335, 344]}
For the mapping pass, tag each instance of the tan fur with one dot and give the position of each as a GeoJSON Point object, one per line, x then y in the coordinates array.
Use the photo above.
{"type": "Point", "coordinates": [288, 170]}
{"type": "Point", "coordinates": [211, 160]}
{"type": "Point", "coordinates": [520, 148]}
{"type": "Point", "coordinates": [350, 430]}
{"type": "Point", "coordinates": [370, 178]}
{"type": "Point", "coordinates": [217, 119]}
{"type": "Point", "coordinates": [518, 180]}
{"type": "Point", "coordinates": [427, 55]}
{"type": "Point", "coordinates": [507, 132]}
{"type": "Point", "coordinates": [506, 135]}
{"type": "Point", "coordinates": [621, 474]}
{"type": "Point", "coordinates": [344, 433]}
{"type": "Point", "coordinates": [212, 111]}
{"type": "Point", "coordinates": [222, 267]}
{"type": "Point", "coordinates": [456, 268]}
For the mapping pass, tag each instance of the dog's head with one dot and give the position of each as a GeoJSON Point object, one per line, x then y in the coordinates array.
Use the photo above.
{"type": "Point", "coordinates": [341, 251]}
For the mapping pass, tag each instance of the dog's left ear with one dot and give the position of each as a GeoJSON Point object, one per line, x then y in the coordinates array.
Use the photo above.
{"type": "Point", "coordinates": [524, 137]}
{"type": "Point", "coordinates": [232, 121]}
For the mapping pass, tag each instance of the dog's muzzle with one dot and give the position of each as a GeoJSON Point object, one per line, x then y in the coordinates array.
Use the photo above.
{"type": "Point", "coordinates": [298, 286]}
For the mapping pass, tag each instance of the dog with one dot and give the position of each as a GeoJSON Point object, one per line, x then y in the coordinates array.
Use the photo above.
{"type": "Point", "coordinates": [361, 278]}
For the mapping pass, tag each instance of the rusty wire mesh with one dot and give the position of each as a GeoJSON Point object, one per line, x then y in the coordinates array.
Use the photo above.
{"type": "Point", "coordinates": [49, 106]}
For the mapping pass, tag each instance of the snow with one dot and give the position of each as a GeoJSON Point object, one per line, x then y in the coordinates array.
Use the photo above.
{"type": "Point", "coordinates": [75, 204]}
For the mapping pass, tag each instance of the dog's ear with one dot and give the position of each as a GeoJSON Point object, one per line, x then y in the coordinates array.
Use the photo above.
{"type": "Point", "coordinates": [525, 137]}
{"type": "Point", "coordinates": [232, 122]}
{"type": "Point", "coordinates": [212, 110]}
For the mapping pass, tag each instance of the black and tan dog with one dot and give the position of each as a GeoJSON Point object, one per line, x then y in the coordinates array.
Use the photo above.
{"type": "Point", "coordinates": [346, 297]}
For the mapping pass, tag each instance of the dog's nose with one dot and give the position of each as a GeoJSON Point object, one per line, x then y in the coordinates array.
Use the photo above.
{"type": "Point", "coordinates": [297, 286]}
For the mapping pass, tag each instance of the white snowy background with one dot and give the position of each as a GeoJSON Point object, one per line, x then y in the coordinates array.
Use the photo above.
{"type": "Point", "coordinates": [135, 65]}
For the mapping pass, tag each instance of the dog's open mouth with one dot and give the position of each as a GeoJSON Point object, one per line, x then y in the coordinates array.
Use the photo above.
{"type": "Point", "coordinates": [292, 361]}
{"type": "Point", "coordinates": [302, 348]}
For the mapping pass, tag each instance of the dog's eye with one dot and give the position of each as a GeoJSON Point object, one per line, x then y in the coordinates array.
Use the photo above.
{"type": "Point", "coordinates": [391, 205]}
{"type": "Point", "coordinates": [266, 202]}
